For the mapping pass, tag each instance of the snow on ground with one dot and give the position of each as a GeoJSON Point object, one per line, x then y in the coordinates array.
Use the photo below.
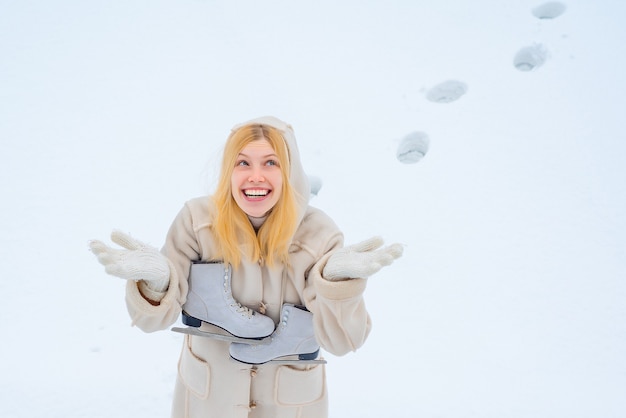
{"type": "Point", "coordinates": [509, 301]}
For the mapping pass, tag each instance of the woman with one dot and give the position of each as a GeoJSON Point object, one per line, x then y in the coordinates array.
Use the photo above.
{"type": "Point", "coordinates": [286, 256]}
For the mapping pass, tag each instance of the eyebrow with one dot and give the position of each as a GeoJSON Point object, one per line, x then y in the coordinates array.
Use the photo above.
{"type": "Point", "coordinates": [263, 156]}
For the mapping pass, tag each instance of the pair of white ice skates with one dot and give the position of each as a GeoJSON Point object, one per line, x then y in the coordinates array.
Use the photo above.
{"type": "Point", "coordinates": [255, 339]}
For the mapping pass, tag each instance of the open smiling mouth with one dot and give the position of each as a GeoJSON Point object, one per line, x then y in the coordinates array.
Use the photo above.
{"type": "Point", "coordinates": [256, 193]}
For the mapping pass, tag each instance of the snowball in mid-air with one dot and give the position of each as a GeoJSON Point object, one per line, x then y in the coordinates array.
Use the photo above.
{"type": "Point", "coordinates": [530, 57]}
{"type": "Point", "coordinates": [549, 10]}
{"type": "Point", "coordinates": [316, 184]}
{"type": "Point", "coordinates": [413, 147]}
{"type": "Point", "coordinates": [447, 92]}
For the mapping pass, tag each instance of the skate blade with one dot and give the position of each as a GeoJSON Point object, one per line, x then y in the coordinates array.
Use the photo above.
{"type": "Point", "coordinates": [222, 337]}
{"type": "Point", "coordinates": [296, 362]}
{"type": "Point", "coordinates": [287, 361]}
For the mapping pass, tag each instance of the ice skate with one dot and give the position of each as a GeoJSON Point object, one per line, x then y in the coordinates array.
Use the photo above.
{"type": "Point", "coordinates": [294, 336]}
{"type": "Point", "coordinates": [210, 300]}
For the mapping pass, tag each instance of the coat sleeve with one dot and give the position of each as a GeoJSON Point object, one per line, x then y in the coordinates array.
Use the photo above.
{"type": "Point", "coordinates": [340, 318]}
{"type": "Point", "coordinates": [181, 246]}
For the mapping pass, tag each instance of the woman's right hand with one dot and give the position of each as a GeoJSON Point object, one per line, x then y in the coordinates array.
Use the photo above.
{"type": "Point", "coordinates": [136, 261]}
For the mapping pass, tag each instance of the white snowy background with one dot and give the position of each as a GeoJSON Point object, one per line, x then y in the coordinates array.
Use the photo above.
{"type": "Point", "coordinates": [510, 298]}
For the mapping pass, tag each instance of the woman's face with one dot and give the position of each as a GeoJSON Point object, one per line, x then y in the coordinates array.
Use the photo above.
{"type": "Point", "coordinates": [257, 181]}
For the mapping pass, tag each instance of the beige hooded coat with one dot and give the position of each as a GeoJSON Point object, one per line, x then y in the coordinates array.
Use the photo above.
{"type": "Point", "coordinates": [210, 383]}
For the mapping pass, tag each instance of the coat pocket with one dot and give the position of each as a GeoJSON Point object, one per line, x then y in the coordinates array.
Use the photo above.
{"type": "Point", "coordinates": [299, 387]}
{"type": "Point", "coordinates": [194, 372]}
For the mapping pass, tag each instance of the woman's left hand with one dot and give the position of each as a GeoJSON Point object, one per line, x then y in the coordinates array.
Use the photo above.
{"type": "Point", "coordinates": [360, 260]}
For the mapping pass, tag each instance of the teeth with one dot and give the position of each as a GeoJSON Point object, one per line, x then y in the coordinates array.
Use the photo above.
{"type": "Point", "coordinates": [256, 192]}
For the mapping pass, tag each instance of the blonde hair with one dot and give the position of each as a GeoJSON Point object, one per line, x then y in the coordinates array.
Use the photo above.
{"type": "Point", "coordinates": [234, 232]}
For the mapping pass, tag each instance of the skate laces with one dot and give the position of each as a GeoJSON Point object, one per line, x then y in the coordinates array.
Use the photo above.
{"type": "Point", "coordinates": [283, 321]}
{"type": "Point", "coordinates": [243, 310]}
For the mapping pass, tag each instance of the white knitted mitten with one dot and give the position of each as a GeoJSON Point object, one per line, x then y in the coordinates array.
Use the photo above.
{"type": "Point", "coordinates": [360, 260]}
{"type": "Point", "coordinates": [137, 261]}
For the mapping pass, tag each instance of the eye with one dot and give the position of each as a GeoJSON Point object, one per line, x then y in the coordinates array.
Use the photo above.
{"type": "Point", "coordinates": [241, 163]}
{"type": "Point", "coordinates": [271, 163]}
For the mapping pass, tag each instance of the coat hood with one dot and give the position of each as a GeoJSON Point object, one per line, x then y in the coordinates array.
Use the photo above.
{"type": "Point", "coordinates": [297, 177]}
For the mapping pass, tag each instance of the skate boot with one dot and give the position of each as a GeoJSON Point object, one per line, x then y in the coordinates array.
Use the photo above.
{"type": "Point", "coordinates": [293, 336]}
{"type": "Point", "coordinates": [210, 300]}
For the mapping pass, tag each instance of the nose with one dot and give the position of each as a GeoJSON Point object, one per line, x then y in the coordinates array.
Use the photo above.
{"type": "Point", "coordinates": [256, 176]}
